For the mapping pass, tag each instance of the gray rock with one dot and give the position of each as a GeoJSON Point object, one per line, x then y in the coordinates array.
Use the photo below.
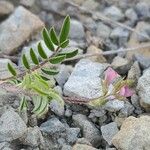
{"type": "Point", "coordinates": [110, 148]}
{"type": "Point", "coordinates": [72, 135]}
{"type": "Point", "coordinates": [131, 15]}
{"type": "Point", "coordinates": [109, 131]}
{"type": "Point", "coordinates": [114, 105]}
{"type": "Point", "coordinates": [27, 3]}
{"type": "Point", "coordinates": [97, 113]}
{"type": "Point", "coordinates": [103, 31]}
{"type": "Point", "coordinates": [89, 130]}
{"type": "Point", "coordinates": [127, 110]}
{"type": "Point", "coordinates": [4, 145]}
{"type": "Point", "coordinates": [5, 8]}
{"type": "Point", "coordinates": [83, 147]}
{"type": "Point", "coordinates": [136, 103]}
{"type": "Point", "coordinates": [134, 73]}
{"type": "Point", "coordinates": [56, 107]}
{"type": "Point", "coordinates": [33, 137]}
{"type": "Point", "coordinates": [54, 6]}
{"type": "Point", "coordinates": [144, 89]}
{"type": "Point", "coordinates": [66, 147]}
{"type": "Point", "coordinates": [12, 126]}
{"type": "Point", "coordinates": [119, 34]}
{"type": "Point", "coordinates": [143, 61]}
{"type": "Point", "coordinates": [76, 30]}
{"type": "Point", "coordinates": [90, 4]}
{"type": "Point", "coordinates": [143, 9]}
{"type": "Point", "coordinates": [63, 75]}
{"type": "Point", "coordinates": [114, 13]}
{"type": "Point", "coordinates": [134, 134]}
{"type": "Point", "coordinates": [145, 30]}
{"type": "Point", "coordinates": [85, 80]}
{"type": "Point", "coordinates": [68, 113]}
{"type": "Point", "coordinates": [17, 29]}
{"type": "Point", "coordinates": [52, 126]}
{"type": "Point", "coordinates": [121, 65]}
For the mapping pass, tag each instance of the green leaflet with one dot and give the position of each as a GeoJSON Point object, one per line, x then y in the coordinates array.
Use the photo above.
{"type": "Point", "coordinates": [43, 108]}
{"type": "Point", "coordinates": [25, 62]}
{"type": "Point", "coordinates": [47, 40]}
{"type": "Point", "coordinates": [11, 69]}
{"type": "Point", "coordinates": [53, 36]}
{"type": "Point", "coordinates": [34, 57]}
{"type": "Point", "coordinates": [64, 30]}
{"type": "Point", "coordinates": [50, 71]}
{"type": "Point", "coordinates": [41, 51]}
{"type": "Point", "coordinates": [37, 103]}
{"type": "Point", "coordinates": [70, 54]}
{"type": "Point", "coordinates": [23, 105]}
{"type": "Point", "coordinates": [57, 59]}
{"type": "Point", "coordinates": [64, 44]}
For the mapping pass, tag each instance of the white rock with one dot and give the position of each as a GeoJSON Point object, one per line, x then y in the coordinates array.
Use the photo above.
{"type": "Point", "coordinates": [109, 131]}
{"type": "Point", "coordinates": [17, 29]}
{"type": "Point", "coordinates": [85, 80]}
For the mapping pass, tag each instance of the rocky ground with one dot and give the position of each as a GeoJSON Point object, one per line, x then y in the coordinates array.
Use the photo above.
{"type": "Point", "coordinates": [122, 125]}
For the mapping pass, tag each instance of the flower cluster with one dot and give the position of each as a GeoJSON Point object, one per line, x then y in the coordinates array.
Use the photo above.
{"type": "Point", "coordinates": [114, 87]}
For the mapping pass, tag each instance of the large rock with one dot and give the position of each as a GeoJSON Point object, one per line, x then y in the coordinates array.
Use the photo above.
{"type": "Point", "coordinates": [144, 89]}
{"type": "Point", "coordinates": [5, 8]}
{"type": "Point", "coordinates": [12, 126]}
{"type": "Point", "coordinates": [90, 132]}
{"type": "Point", "coordinates": [76, 30]}
{"type": "Point", "coordinates": [85, 80]}
{"type": "Point", "coordinates": [137, 40]}
{"type": "Point", "coordinates": [17, 29]}
{"type": "Point", "coordinates": [114, 13]}
{"type": "Point", "coordinates": [83, 147]}
{"type": "Point", "coordinates": [134, 134]}
{"type": "Point", "coordinates": [109, 131]}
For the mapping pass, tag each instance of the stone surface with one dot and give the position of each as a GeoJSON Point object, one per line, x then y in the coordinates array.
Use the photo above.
{"type": "Point", "coordinates": [27, 3]}
{"type": "Point", "coordinates": [144, 89]}
{"type": "Point", "coordinates": [134, 134]}
{"type": "Point", "coordinates": [143, 61]}
{"type": "Point", "coordinates": [72, 135]}
{"type": "Point", "coordinates": [12, 126]}
{"type": "Point", "coordinates": [119, 35]}
{"type": "Point", "coordinates": [76, 30]}
{"type": "Point", "coordinates": [85, 79]}
{"type": "Point", "coordinates": [5, 8]}
{"type": "Point", "coordinates": [90, 4]}
{"type": "Point", "coordinates": [134, 41]}
{"type": "Point", "coordinates": [121, 65]}
{"type": "Point", "coordinates": [103, 31]}
{"type": "Point", "coordinates": [109, 131]}
{"type": "Point", "coordinates": [127, 110]}
{"type": "Point", "coordinates": [143, 9]}
{"type": "Point", "coordinates": [17, 29]}
{"type": "Point", "coordinates": [114, 13]}
{"type": "Point", "coordinates": [33, 137]}
{"type": "Point", "coordinates": [83, 147]}
{"type": "Point", "coordinates": [63, 75]}
{"type": "Point", "coordinates": [99, 58]}
{"type": "Point", "coordinates": [90, 132]}
{"type": "Point", "coordinates": [66, 147]}
{"type": "Point", "coordinates": [52, 126]}
{"type": "Point", "coordinates": [114, 105]}
{"type": "Point", "coordinates": [131, 15]}
{"type": "Point", "coordinates": [134, 73]}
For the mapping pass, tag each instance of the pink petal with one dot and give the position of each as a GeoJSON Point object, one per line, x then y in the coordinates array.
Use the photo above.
{"type": "Point", "coordinates": [110, 75]}
{"type": "Point", "coordinates": [126, 92]}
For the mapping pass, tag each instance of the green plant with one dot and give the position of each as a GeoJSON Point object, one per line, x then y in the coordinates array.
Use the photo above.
{"type": "Point", "coordinates": [35, 79]}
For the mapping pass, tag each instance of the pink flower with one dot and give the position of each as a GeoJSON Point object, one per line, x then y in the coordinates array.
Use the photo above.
{"type": "Point", "coordinates": [110, 76]}
{"type": "Point", "coordinates": [126, 92]}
